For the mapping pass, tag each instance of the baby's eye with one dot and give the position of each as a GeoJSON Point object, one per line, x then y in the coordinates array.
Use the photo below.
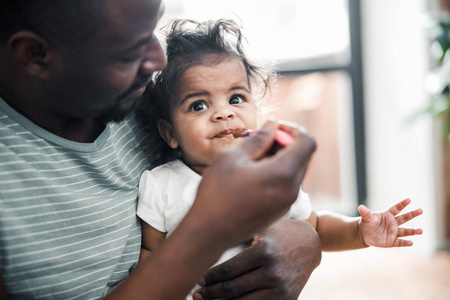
{"type": "Point", "coordinates": [236, 99]}
{"type": "Point", "coordinates": [198, 106]}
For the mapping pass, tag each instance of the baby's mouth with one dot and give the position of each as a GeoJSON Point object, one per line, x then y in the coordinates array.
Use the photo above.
{"type": "Point", "coordinates": [238, 132]}
{"type": "Point", "coordinates": [225, 133]}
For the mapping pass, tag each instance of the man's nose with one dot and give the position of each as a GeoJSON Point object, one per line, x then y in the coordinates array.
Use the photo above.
{"type": "Point", "coordinates": [155, 60]}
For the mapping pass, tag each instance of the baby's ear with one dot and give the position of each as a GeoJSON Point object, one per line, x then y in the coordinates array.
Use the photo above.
{"type": "Point", "coordinates": [166, 132]}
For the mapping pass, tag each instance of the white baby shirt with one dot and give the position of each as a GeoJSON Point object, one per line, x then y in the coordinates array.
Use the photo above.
{"type": "Point", "coordinates": [167, 192]}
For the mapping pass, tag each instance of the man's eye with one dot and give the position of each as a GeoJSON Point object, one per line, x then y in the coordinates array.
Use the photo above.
{"type": "Point", "coordinates": [198, 106]}
{"type": "Point", "coordinates": [236, 99]}
{"type": "Point", "coordinates": [129, 60]}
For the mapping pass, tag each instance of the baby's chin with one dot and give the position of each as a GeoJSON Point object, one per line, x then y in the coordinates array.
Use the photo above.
{"type": "Point", "coordinates": [224, 144]}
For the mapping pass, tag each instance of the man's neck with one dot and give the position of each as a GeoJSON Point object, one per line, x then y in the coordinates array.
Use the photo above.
{"type": "Point", "coordinates": [78, 130]}
{"type": "Point", "coordinates": [81, 130]}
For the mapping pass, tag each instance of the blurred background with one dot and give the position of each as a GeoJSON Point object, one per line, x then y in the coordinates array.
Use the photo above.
{"type": "Point", "coordinates": [370, 80]}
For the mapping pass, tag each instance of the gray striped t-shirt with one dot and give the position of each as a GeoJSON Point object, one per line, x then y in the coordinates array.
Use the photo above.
{"type": "Point", "coordinates": [68, 225]}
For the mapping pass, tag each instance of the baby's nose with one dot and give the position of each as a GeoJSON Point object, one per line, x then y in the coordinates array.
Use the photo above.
{"type": "Point", "coordinates": [224, 114]}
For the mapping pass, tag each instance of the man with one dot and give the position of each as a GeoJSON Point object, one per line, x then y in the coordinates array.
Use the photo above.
{"type": "Point", "coordinates": [68, 176]}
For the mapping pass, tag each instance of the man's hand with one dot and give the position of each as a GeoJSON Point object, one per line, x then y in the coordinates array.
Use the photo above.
{"type": "Point", "coordinates": [246, 188]}
{"type": "Point", "coordinates": [276, 266]}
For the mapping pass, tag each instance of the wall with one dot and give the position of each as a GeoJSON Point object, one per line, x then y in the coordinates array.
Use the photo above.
{"type": "Point", "coordinates": [400, 155]}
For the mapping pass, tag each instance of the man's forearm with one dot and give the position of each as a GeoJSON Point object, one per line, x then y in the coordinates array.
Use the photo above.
{"type": "Point", "coordinates": [309, 252]}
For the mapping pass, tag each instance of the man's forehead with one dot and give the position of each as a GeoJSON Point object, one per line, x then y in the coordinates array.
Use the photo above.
{"type": "Point", "coordinates": [129, 21]}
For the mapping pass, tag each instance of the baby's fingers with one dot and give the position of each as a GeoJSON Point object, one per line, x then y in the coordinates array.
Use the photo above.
{"type": "Point", "coordinates": [402, 243]}
{"type": "Point", "coordinates": [397, 208]}
{"type": "Point", "coordinates": [409, 231]}
{"type": "Point", "coordinates": [408, 216]}
{"type": "Point", "coordinates": [366, 214]}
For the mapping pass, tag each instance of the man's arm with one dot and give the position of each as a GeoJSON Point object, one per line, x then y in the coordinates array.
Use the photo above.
{"type": "Point", "coordinates": [241, 193]}
{"type": "Point", "coordinates": [276, 266]}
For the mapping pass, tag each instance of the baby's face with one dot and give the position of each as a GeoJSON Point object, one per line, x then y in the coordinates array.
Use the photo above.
{"type": "Point", "coordinates": [211, 99]}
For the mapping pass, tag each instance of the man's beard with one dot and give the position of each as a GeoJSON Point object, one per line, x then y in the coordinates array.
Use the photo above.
{"type": "Point", "coordinates": [118, 113]}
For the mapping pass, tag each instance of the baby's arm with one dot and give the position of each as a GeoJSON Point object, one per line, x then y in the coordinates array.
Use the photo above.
{"type": "Point", "coordinates": [151, 239]}
{"type": "Point", "coordinates": [339, 232]}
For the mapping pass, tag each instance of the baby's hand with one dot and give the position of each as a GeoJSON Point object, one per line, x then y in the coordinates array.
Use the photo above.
{"type": "Point", "coordinates": [382, 229]}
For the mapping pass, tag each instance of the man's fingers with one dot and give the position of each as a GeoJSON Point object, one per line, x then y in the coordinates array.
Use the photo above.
{"type": "Point", "coordinates": [292, 159]}
{"type": "Point", "coordinates": [262, 294]}
{"type": "Point", "coordinates": [235, 277]}
{"type": "Point", "coordinates": [259, 143]}
{"type": "Point", "coordinates": [290, 127]}
{"type": "Point", "coordinates": [244, 262]}
{"type": "Point", "coordinates": [303, 143]}
{"type": "Point", "coordinates": [234, 288]}
{"type": "Point", "coordinates": [295, 157]}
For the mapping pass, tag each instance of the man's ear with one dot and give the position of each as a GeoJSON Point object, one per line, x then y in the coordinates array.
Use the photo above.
{"type": "Point", "coordinates": [165, 130]}
{"type": "Point", "coordinates": [31, 51]}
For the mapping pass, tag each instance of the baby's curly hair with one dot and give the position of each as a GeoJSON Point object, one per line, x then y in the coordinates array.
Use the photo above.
{"type": "Point", "coordinates": [191, 43]}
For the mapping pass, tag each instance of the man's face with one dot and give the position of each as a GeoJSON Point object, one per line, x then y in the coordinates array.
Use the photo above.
{"type": "Point", "coordinates": [107, 74]}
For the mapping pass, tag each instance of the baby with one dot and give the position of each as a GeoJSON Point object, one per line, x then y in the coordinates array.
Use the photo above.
{"type": "Point", "coordinates": [206, 93]}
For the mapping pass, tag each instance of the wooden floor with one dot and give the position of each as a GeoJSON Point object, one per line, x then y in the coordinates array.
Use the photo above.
{"type": "Point", "coordinates": [380, 274]}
